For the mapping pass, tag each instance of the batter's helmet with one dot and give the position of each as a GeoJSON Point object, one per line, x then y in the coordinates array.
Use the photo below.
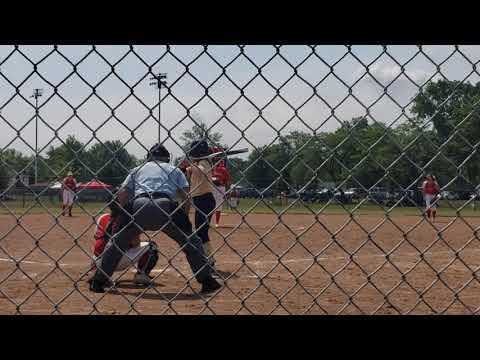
{"type": "Point", "coordinates": [199, 148]}
{"type": "Point", "coordinates": [158, 152]}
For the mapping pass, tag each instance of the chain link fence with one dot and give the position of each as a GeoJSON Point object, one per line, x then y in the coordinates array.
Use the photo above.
{"type": "Point", "coordinates": [325, 213]}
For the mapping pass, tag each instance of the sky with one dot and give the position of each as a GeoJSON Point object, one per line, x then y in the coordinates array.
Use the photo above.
{"type": "Point", "coordinates": [255, 118]}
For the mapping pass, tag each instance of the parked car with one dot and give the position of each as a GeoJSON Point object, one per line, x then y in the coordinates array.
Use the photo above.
{"type": "Point", "coordinates": [305, 195]}
{"type": "Point", "coordinates": [265, 193]}
{"type": "Point", "coordinates": [6, 197]}
{"type": "Point", "coordinates": [449, 195]}
{"type": "Point", "coordinates": [355, 194]}
{"type": "Point", "coordinates": [340, 197]}
{"type": "Point", "coordinates": [464, 194]}
{"type": "Point", "coordinates": [249, 193]}
{"type": "Point", "coordinates": [324, 195]}
{"type": "Point", "coordinates": [378, 195]}
{"type": "Point", "coordinates": [406, 198]}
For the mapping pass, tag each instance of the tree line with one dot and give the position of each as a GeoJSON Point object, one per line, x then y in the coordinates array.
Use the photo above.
{"type": "Point", "coordinates": [442, 137]}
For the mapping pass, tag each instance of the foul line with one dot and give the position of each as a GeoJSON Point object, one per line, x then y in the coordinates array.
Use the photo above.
{"type": "Point", "coordinates": [261, 262]}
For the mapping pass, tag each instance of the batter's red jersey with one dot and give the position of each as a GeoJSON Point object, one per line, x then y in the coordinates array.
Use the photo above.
{"type": "Point", "coordinates": [221, 175]}
{"type": "Point", "coordinates": [70, 183]}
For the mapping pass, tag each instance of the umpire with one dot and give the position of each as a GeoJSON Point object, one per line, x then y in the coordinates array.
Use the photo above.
{"type": "Point", "coordinates": [147, 197]}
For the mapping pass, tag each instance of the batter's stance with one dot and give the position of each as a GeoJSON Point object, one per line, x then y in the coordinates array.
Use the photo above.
{"type": "Point", "coordinates": [147, 196]}
{"type": "Point", "coordinates": [430, 191]}
{"type": "Point", "coordinates": [69, 188]}
{"type": "Point", "coordinates": [199, 175]}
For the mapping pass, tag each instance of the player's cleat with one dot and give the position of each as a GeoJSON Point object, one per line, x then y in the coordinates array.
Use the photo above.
{"type": "Point", "coordinates": [96, 286]}
{"type": "Point", "coordinates": [142, 279]}
{"type": "Point", "coordinates": [211, 261]}
{"type": "Point", "coordinates": [219, 274]}
{"type": "Point", "coordinates": [210, 285]}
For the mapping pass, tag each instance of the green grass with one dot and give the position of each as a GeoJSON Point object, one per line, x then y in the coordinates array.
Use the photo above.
{"type": "Point", "coordinates": [251, 206]}
{"type": "Point", "coordinates": [445, 209]}
{"type": "Point", "coordinates": [31, 207]}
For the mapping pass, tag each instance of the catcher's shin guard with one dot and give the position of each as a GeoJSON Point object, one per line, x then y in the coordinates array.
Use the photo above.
{"type": "Point", "coordinates": [148, 260]}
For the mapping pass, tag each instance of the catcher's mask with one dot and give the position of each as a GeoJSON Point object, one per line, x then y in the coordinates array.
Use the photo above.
{"type": "Point", "coordinates": [198, 149]}
{"type": "Point", "coordinates": [158, 152]}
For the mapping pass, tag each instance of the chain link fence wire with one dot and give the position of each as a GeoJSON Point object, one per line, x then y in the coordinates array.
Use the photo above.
{"type": "Point", "coordinates": [325, 214]}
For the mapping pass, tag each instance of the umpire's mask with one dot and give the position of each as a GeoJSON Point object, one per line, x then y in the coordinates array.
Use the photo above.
{"type": "Point", "coordinates": [158, 152]}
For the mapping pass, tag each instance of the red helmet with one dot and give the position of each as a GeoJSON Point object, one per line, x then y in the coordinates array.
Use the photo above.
{"type": "Point", "coordinates": [218, 161]}
{"type": "Point", "coordinates": [183, 165]}
{"type": "Point", "coordinates": [215, 149]}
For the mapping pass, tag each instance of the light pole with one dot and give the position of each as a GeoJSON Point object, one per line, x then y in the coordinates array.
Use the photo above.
{"type": "Point", "coordinates": [160, 81]}
{"type": "Point", "coordinates": [36, 94]}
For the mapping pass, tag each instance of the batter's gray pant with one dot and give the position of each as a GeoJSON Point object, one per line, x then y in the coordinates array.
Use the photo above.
{"type": "Point", "coordinates": [153, 215]}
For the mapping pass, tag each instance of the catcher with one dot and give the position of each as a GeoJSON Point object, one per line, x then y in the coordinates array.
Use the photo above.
{"type": "Point", "coordinates": [144, 255]}
{"type": "Point", "coordinates": [430, 191]}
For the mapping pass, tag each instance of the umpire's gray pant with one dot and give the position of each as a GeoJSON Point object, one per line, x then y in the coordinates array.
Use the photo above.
{"type": "Point", "coordinates": [153, 215]}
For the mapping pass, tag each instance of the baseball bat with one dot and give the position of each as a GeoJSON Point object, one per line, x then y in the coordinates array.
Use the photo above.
{"type": "Point", "coordinates": [220, 154]}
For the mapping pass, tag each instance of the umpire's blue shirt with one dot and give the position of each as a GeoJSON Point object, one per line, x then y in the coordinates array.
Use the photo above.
{"type": "Point", "coordinates": [155, 176]}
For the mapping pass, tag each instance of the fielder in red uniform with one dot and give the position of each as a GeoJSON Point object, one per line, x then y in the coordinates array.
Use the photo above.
{"type": "Point", "coordinates": [430, 191]}
{"type": "Point", "coordinates": [69, 187]}
{"type": "Point", "coordinates": [221, 181]}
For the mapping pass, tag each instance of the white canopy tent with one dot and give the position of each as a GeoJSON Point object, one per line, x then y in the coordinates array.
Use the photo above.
{"type": "Point", "coordinates": [57, 185]}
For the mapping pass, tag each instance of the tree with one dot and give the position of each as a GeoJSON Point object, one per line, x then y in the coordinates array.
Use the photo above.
{"type": "Point", "coordinates": [271, 165]}
{"type": "Point", "coordinates": [13, 162]}
{"type": "Point", "coordinates": [200, 131]}
{"type": "Point", "coordinates": [110, 162]}
{"type": "Point", "coordinates": [310, 166]}
{"type": "Point", "coordinates": [452, 107]}
{"type": "Point", "coordinates": [4, 176]}
{"type": "Point", "coordinates": [70, 156]}
{"type": "Point", "coordinates": [237, 168]}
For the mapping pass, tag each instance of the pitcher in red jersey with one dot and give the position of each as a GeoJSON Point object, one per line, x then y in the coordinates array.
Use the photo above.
{"type": "Point", "coordinates": [430, 191]}
{"type": "Point", "coordinates": [69, 187]}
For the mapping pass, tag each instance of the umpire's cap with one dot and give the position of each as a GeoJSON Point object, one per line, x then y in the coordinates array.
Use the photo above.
{"type": "Point", "coordinates": [158, 152]}
{"type": "Point", "coordinates": [198, 149]}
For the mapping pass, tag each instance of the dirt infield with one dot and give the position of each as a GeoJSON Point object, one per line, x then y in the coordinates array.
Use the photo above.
{"type": "Point", "coordinates": [271, 265]}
